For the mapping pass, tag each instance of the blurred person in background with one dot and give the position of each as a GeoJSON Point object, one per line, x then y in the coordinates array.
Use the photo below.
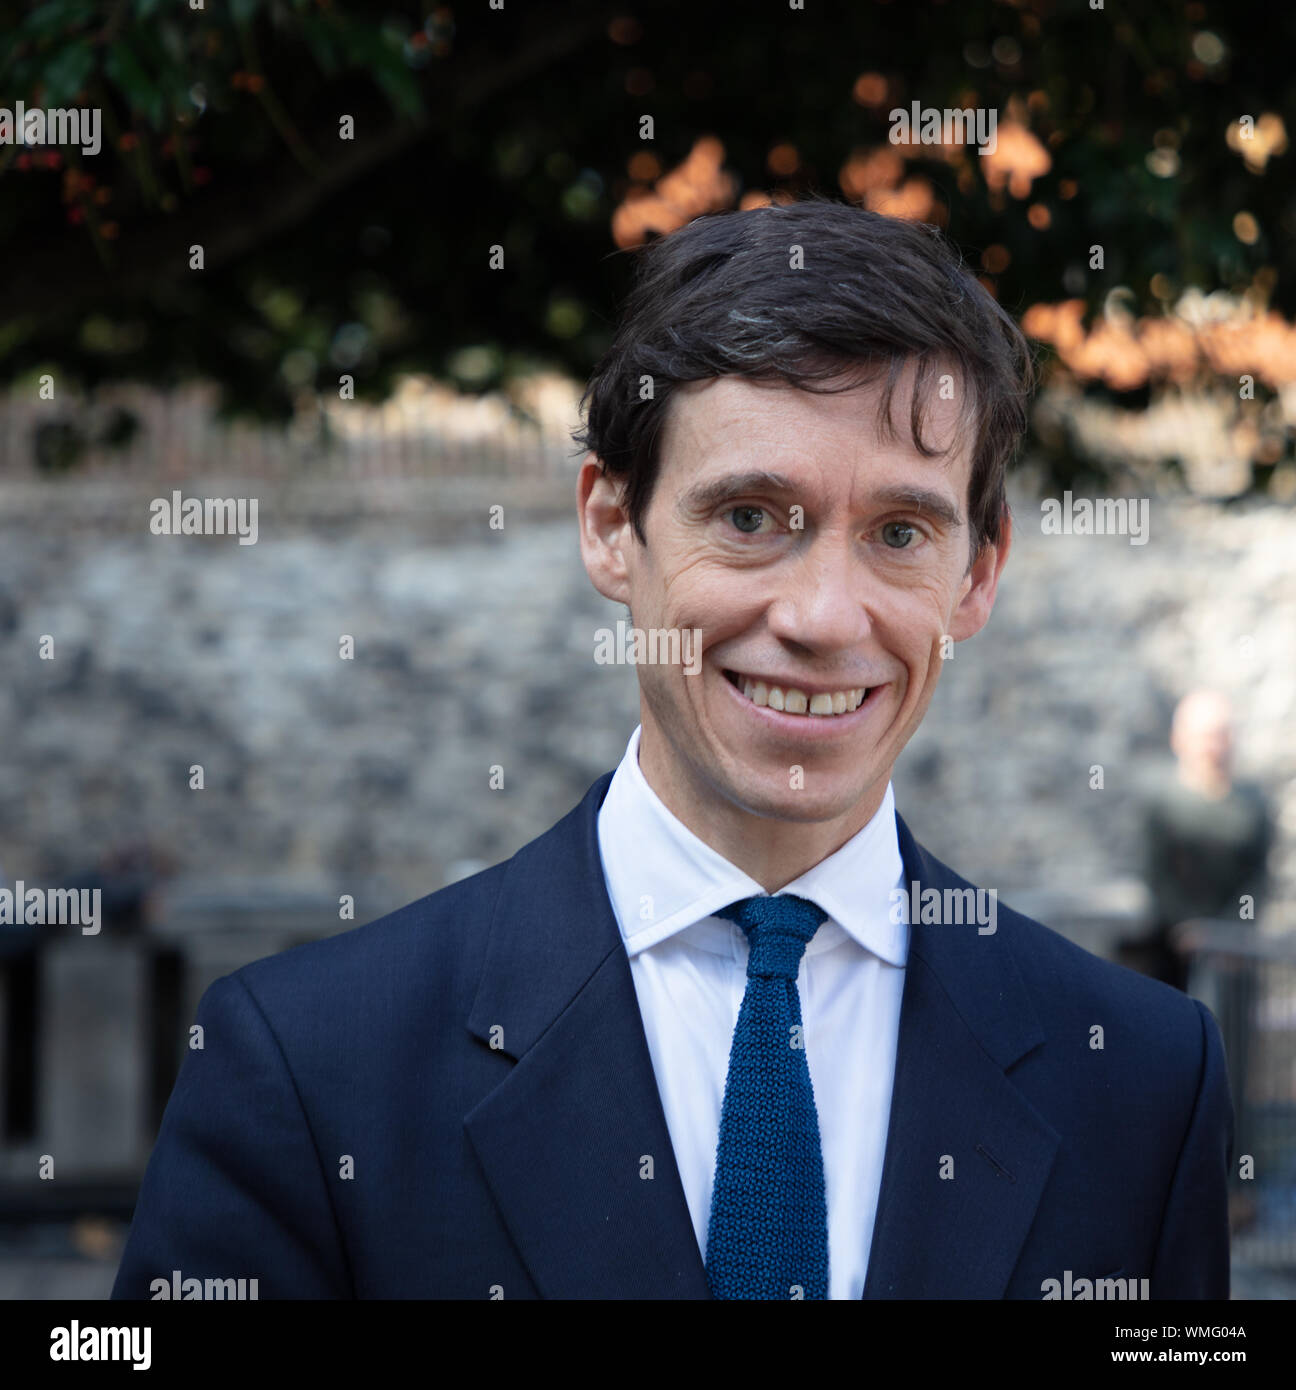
{"type": "Point", "coordinates": [1206, 837]}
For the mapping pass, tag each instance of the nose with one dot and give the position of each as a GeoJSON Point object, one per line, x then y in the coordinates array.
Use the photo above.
{"type": "Point", "coordinates": [822, 600]}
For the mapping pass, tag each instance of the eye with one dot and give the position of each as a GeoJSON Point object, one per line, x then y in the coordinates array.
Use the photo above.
{"type": "Point", "coordinates": [901, 526]}
{"type": "Point", "coordinates": [748, 519]}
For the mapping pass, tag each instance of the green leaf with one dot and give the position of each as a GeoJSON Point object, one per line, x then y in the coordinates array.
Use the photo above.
{"type": "Point", "coordinates": [57, 17]}
{"type": "Point", "coordinates": [159, 49]}
{"type": "Point", "coordinates": [402, 91]}
{"type": "Point", "coordinates": [125, 72]}
{"type": "Point", "coordinates": [382, 55]}
{"type": "Point", "coordinates": [65, 73]}
{"type": "Point", "coordinates": [319, 37]}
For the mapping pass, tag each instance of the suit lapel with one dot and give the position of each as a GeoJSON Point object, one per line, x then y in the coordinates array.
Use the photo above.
{"type": "Point", "coordinates": [573, 1142]}
{"type": "Point", "coordinates": [564, 1138]}
{"type": "Point", "coordinates": [965, 1019]}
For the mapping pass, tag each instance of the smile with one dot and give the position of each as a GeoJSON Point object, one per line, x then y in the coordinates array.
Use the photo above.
{"type": "Point", "coordinates": [791, 700]}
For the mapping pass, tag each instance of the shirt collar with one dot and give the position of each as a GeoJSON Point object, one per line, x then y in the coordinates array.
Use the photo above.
{"type": "Point", "coordinates": [661, 878]}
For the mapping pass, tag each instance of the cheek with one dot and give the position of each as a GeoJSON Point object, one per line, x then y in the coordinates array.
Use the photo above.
{"type": "Point", "coordinates": [671, 694]}
{"type": "Point", "coordinates": [913, 619]}
{"type": "Point", "coordinates": [713, 598]}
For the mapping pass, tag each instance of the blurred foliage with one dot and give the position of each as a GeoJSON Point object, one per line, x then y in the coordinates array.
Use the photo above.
{"type": "Point", "coordinates": [223, 126]}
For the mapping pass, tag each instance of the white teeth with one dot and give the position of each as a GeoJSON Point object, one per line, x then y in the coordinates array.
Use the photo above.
{"type": "Point", "coordinates": [794, 701]}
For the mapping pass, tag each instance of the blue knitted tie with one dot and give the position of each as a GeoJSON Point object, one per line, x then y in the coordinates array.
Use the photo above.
{"type": "Point", "coordinates": [769, 1217]}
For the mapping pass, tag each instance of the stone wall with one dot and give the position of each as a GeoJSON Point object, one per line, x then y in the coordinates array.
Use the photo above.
{"type": "Point", "coordinates": [474, 648]}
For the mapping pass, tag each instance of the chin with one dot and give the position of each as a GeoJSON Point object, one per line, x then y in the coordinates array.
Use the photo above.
{"type": "Point", "coordinates": [801, 807]}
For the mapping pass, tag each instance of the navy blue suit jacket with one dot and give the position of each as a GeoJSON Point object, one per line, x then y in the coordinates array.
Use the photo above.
{"type": "Point", "coordinates": [517, 1168]}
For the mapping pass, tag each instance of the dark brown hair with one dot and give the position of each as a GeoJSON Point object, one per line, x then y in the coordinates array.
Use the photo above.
{"type": "Point", "coordinates": [719, 298]}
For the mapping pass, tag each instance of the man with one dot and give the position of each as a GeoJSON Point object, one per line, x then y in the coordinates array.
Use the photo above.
{"type": "Point", "coordinates": [1206, 834]}
{"type": "Point", "coordinates": [695, 1040]}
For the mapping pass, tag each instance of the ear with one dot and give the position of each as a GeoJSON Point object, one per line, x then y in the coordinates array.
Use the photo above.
{"type": "Point", "coordinates": [605, 530]}
{"type": "Point", "coordinates": [981, 584]}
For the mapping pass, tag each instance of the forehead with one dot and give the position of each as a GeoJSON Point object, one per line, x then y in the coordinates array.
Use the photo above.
{"type": "Point", "coordinates": [1203, 712]}
{"type": "Point", "coordinates": [834, 439]}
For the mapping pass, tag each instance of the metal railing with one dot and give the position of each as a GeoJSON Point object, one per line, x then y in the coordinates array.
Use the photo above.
{"type": "Point", "coordinates": [1247, 978]}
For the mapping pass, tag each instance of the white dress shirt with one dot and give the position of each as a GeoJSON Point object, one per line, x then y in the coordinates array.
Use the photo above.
{"type": "Point", "coordinates": [690, 973]}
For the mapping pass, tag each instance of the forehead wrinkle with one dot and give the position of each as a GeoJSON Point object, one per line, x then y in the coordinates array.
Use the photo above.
{"type": "Point", "coordinates": [802, 439]}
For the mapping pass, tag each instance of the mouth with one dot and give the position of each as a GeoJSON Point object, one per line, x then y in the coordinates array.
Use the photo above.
{"type": "Point", "coordinates": [793, 700]}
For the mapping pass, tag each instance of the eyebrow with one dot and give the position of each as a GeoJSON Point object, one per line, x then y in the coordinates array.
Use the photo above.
{"type": "Point", "coordinates": [703, 497]}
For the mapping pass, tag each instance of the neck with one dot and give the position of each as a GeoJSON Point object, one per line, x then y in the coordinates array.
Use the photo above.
{"type": "Point", "coordinates": [772, 851]}
{"type": "Point", "coordinates": [1209, 780]}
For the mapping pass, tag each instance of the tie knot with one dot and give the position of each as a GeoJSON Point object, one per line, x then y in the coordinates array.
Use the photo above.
{"type": "Point", "coordinates": [778, 930]}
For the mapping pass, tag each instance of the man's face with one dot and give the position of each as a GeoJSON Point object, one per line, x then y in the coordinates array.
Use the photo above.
{"type": "Point", "coordinates": [855, 591]}
{"type": "Point", "coordinates": [1201, 734]}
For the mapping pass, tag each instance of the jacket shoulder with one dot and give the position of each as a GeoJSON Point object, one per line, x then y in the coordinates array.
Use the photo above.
{"type": "Point", "coordinates": [1161, 1042]}
{"type": "Point", "coordinates": [1080, 997]}
{"type": "Point", "coordinates": [439, 938]}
